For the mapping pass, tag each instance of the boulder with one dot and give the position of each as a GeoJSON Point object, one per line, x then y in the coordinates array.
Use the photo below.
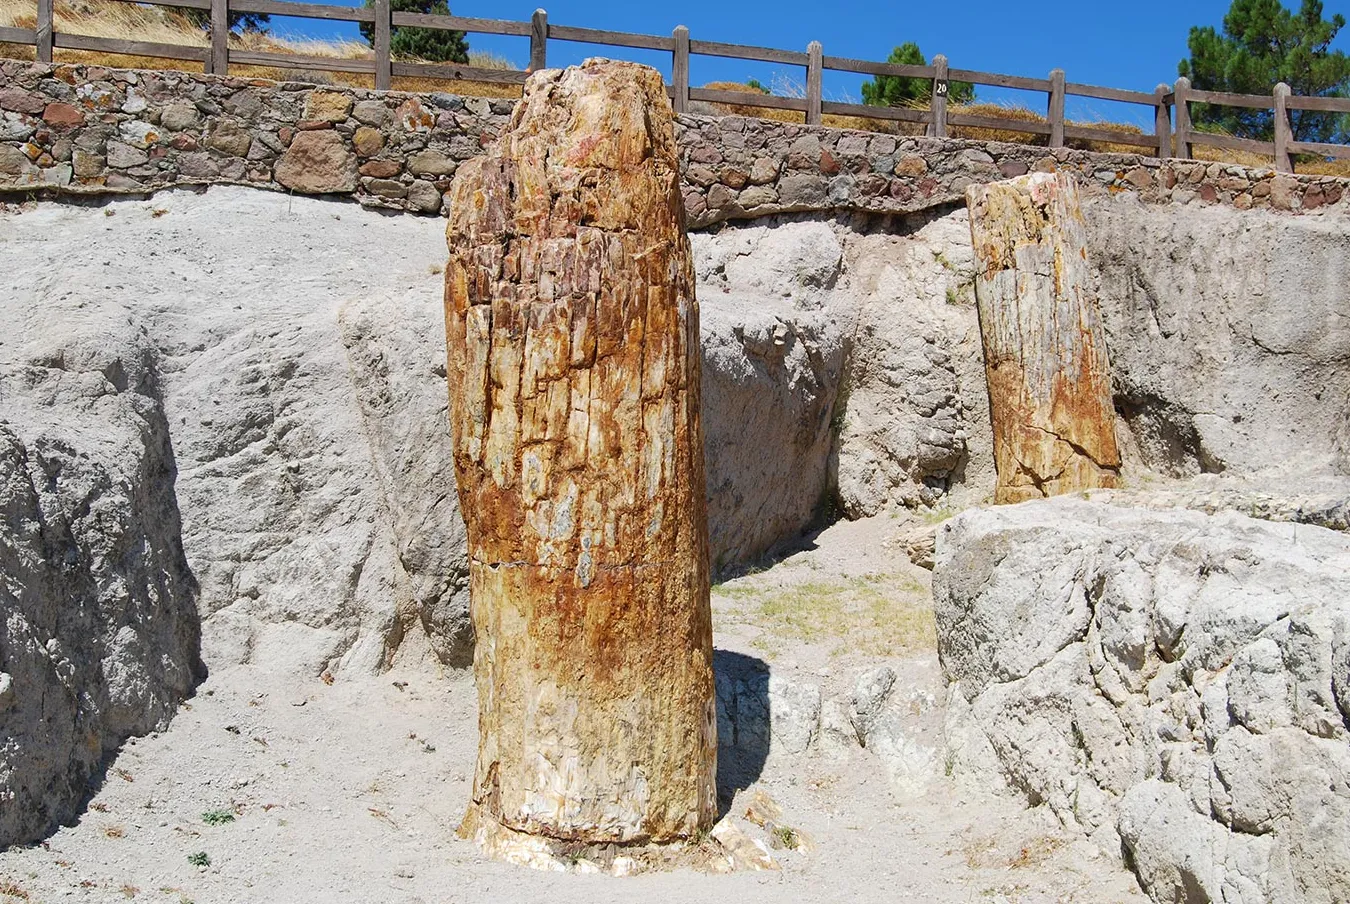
{"type": "Point", "coordinates": [761, 714]}
{"type": "Point", "coordinates": [318, 496]}
{"type": "Point", "coordinates": [99, 632]}
{"type": "Point", "coordinates": [1229, 351]}
{"type": "Point", "coordinates": [307, 413]}
{"type": "Point", "coordinates": [1174, 683]}
{"type": "Point", "coordinates": [774, 353]}
{"type": "Point", "coordinates": [771, 377]}
{"type": "Point", "coordinates": [13, 162]}
{"type": "Point", "coordinates": [230, 137]}
{"type": "Point", "coordinates": [913, 423]}
{"type": "Point", "coordinates": [855, 357]}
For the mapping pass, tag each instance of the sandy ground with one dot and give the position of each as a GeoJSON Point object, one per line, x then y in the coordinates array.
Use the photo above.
{"type": "Point", "coordinates": [352, 791]}
{"type": "Point", "coordinates": [294, 790]}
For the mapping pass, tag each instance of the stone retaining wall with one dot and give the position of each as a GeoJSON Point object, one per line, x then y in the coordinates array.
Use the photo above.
{"type": "Point", "coordinates": [84, 129]}
{"type": "Point", "coordinates": [737, 167]}
{"type": "Point", "coordinates": [91, 130]}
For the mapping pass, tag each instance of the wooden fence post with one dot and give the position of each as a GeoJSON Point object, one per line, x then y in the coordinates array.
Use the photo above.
{"type": "Point", "coordinates": [220, 36]}
{"type": "Point", "coordinates": [44, 31]}
{"type": "Point", "coordinates": [383, 64]}
{"type": "Point", "coordinates": [679, 70]}
{"type": "Point", "coordinates": [1162, 121]}
{"type": "Point", "coordinates": [1054, 113]}
{"type": "Point", "coordinates": [1181, 98]}
{"type": "Point", "coordinates": [1284, 132]}
{"type": "Point", "coordinates": [939, 101]}
{"type": "Point", "coordinates": [814, 76]}
{"type": "Point", "coordinates": [539, 40]}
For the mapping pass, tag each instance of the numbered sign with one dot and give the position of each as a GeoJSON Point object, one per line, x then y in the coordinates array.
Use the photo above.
{"type": "Point", "coordinates": [941, 87]}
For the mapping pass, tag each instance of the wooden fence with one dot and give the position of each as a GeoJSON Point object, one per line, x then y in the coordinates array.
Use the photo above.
{"type": "Point", "coordinates": [218, 57]}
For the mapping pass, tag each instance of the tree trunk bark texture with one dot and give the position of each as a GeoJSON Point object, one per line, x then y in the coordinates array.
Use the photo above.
{"type": "Point", "coordinates": [1044, 349]}
{"type": "Point", "coordinates": [573, 362]}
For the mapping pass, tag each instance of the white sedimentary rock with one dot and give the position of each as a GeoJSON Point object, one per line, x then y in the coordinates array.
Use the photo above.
{"type": "Point", "coordinates": [1172, 682]}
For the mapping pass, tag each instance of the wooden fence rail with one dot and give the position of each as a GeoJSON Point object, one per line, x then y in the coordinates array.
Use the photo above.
{"type": "Point", "coordinates": [1167, 140]}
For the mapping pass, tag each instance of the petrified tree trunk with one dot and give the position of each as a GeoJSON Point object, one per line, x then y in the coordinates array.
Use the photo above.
{"type": "Point", "coordinates": [573, 348]}
{"type": "Point", "coordinates": [1044, 350]}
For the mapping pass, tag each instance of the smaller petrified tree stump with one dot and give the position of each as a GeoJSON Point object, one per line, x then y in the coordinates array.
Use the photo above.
{"type": "Point", "coordinates": [573, 343]}
{"type": "Point", "coordinates": [1044, 349]}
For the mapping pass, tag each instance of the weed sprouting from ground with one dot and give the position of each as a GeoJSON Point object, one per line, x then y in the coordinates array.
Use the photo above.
{"type": "Point", "coordinates": [201, 858]}
{"type": "Point", "coordinates": [218, 817]}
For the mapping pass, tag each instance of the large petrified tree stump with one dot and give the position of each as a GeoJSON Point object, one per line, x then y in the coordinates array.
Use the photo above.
{"type": "Point", "coordinates": [1044, 350]}
{"type": "Point", "coordinates": [573, 349]}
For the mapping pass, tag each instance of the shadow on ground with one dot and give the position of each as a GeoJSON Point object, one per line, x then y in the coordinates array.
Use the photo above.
{"type": "Point", "coordinates": [743, 725]}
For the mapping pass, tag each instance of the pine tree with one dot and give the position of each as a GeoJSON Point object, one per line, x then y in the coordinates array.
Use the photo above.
{"type": "Point", "coordinates": [1262, 44]}
{"type": "Point", "coordinates": [256, 22]}
{"type": "Point", "coordinates": [901, 91]}
{"type": "Point", "coordinates": [407, 42]}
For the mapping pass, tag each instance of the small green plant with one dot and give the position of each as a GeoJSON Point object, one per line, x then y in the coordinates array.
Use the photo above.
{"type": "Point", "coordinates": [839, 418]}
{"type": "Point", "coordinates": [787, 837]}
{"type": "Point", "coordinates": [839, 414]}
{"type": "Point", "coordinates": [738, 592]}
{"type": "Point", "coordinates": [218, 817]}
{"type": "Point", "coordinates": [938, 515]}
{"type": "Point", "coordinates": [952, 297]}
{"type": "Point", "coordinates": [201, 858]}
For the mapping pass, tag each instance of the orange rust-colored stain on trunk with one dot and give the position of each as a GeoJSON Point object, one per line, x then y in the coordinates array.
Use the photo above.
{"type": "Point", "coordinates": [1045, 357]}
{"type": "Point", "coordinates": [578, 456]}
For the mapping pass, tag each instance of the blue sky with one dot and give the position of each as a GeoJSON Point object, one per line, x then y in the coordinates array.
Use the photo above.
{"type": "Point", "coordinates": [1134, 46]}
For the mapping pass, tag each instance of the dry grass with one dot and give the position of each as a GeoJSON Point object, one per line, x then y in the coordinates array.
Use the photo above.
{"type": "Point", "coordinates": [880, 615]}
{"type": "Point", "coordinates": [11, 890]}
{"type": "Point", "coordinates": [1304, 165]}
{"type": "Point", "coordinates": [163, 25]}
{"type": "Point", "coordinates": [1339, 168]}
{"type": "Point", "coordinates": [862, 123]}
{"type": "Point", "coordinates": [982, 852]}
{"type": "Point", "coordinates": [1019, 113]}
